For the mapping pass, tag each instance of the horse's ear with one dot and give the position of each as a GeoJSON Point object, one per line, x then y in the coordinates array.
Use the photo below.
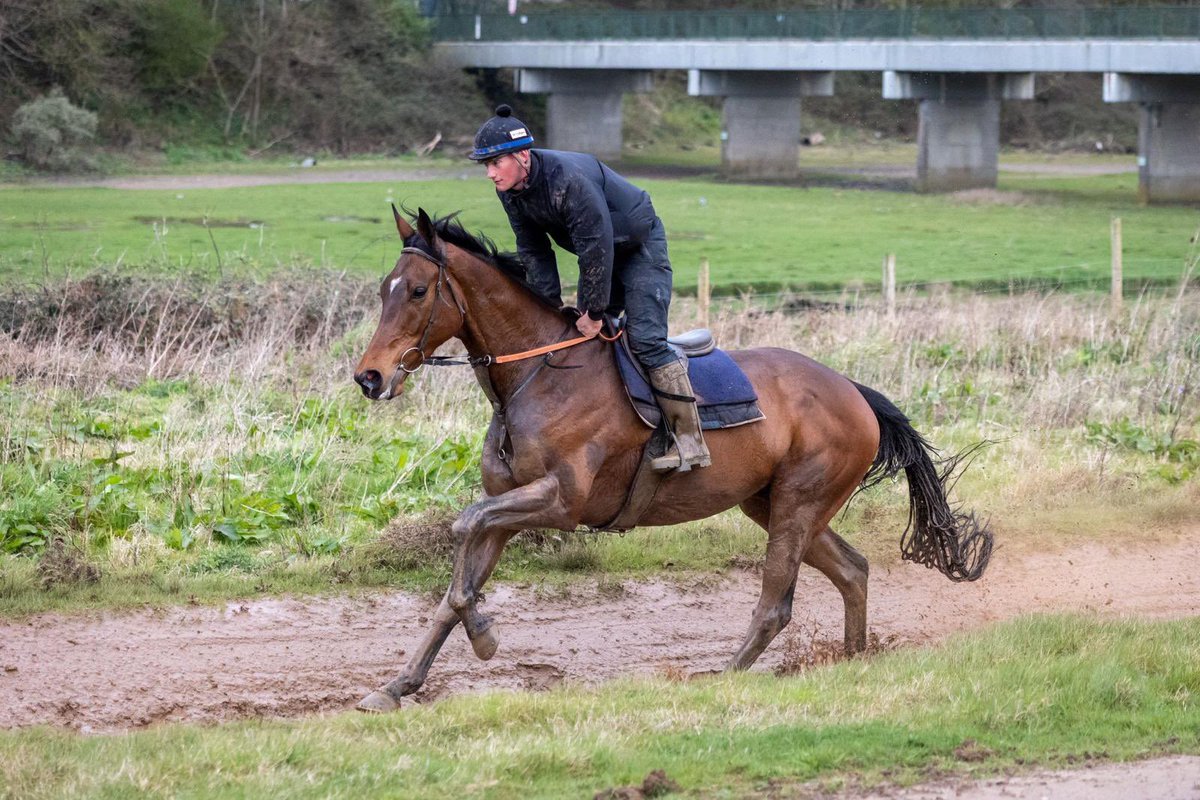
{"type": "Point", "coordinates": [425, 227]}
{"type": "Point", "coordinates": [402, 224]}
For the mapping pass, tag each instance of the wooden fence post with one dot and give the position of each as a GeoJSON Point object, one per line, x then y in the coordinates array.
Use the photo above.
{"type": "Point", "coordinates": [703, 293]}
{"type": "Point", "coordinates": [889, 283]}
{"type": "Point", "coordinates": [1116, 265]}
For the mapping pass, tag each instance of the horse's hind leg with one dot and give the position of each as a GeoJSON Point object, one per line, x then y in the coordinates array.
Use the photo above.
{"type": "Point", "coordinates": [829, 553]}
{"type": "Point", "coordinates": [847, 569]}
{"type": "Point", "coordinates": [786, 542]}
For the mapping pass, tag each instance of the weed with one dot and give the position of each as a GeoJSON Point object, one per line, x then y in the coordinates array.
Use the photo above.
{"type": "Point", "coordinates": [406, 544]}
{"type": "Point", "coordinates": [64, 565]}
{"type": "Point", "coordinates": [1126, 434]}
{"type": "Point", "coordinates": [236, 433]}
{"type": "Point", "coordinates": [575, 556]}
{"type": "Point", "coordinates": [221, 559]}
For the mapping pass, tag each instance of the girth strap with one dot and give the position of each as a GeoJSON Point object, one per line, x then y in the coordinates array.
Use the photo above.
{"type": "Point", "coordinates": [644, 487]}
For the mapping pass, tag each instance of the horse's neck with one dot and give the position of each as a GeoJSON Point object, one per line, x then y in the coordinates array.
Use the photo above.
{"type": "Point", "coordinates": [503, 318]}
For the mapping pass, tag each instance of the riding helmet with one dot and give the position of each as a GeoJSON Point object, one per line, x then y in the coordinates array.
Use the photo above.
{"type": "Point", "coordinates": [501, 134]}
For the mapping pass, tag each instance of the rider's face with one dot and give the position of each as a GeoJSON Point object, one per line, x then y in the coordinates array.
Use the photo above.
{"type": "Point", "coordinates": [509, 171]}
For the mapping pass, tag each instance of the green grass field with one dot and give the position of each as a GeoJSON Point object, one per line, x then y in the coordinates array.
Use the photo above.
{"type": "Point", "coordinates": [1056, 691]}
{"type": "Point", "coordinates": [181, 427]}
{"type": "Point", "coordinates": [1037, 230]}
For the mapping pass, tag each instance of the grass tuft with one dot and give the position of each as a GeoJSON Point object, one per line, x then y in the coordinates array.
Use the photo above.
{"type": "Point", "coordinates": [244, 460]}
{"type": "Point", "coordinates": [1037, 691]}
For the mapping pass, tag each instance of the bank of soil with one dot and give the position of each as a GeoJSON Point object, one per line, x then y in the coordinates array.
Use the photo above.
{"type": "Point", "coordinates": [291, 657]}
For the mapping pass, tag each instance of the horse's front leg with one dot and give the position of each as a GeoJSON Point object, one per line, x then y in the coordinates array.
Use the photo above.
{"type": "Point", "coordinates": [387, 698]}
{"type": "Point", "coordinates": [412, 677]}
{"type": "Point", "coordinates": [481, 531]}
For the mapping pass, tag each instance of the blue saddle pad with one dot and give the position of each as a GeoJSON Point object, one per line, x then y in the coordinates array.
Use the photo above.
{"type": "Point", "coordinates": [723, 392]}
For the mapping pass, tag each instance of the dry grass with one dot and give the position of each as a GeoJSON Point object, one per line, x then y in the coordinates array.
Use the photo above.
{"type": "Point", "coordinates": [64, 565]}
{"type": "Point", "coordinates": [406, 544]}
{"type": "Point", "coordinates": [1026, 371]}
{"type": "Point", "coordinates": [806, 646]}
{"type": "Point", "coordinates": [112, 330]}
{"type": "Point", "coordinates": [1047, 361]}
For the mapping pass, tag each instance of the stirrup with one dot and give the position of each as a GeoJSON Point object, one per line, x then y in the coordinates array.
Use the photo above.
{"type": "Point", "coordinates": [669, 461]}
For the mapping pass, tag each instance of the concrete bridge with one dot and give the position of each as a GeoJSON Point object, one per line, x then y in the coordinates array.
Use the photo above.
{"type": "Point", "coordinates": [959, 65]}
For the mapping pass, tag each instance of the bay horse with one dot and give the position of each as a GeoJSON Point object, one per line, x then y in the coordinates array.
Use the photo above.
{"type": "Point", "coordinates": [564, 444]}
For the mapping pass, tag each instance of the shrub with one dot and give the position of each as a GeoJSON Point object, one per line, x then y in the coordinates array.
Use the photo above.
{"type": "Point", "coordinates": [52, 133]}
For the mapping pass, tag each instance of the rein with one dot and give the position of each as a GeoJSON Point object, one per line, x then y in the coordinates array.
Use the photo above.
{"type": "Point", "coordinates": [475, 361]}
{"type": "Point", "coordinates": [481, 363]}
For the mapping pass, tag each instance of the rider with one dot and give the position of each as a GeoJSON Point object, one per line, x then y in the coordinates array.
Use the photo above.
{"type": "Point", "coordinates": [610, 225]}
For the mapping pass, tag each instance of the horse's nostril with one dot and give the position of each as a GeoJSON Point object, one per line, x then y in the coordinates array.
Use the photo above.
{"type": "Point", "coordinates": [370, 380]}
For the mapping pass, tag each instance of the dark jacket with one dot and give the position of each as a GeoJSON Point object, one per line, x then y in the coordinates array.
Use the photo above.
{"type": "Point", "coordinates": [588, 210]}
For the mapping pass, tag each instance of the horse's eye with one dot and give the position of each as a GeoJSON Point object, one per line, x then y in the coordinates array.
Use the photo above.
{"type": "Point", "coordinates": [419, 292]}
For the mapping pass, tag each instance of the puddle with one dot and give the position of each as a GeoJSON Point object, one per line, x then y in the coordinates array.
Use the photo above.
{"type": "Point", "coordinates": [352, 218]}
{"type": "Point", "coordinates": [211, 222]}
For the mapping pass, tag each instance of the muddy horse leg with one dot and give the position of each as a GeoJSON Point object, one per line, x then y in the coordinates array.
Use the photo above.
{"type": "Point", "coordinates": [411, 678]}
{"type": "Point", "coordinates": [833, 556]}
{"type": "Point", "coordinates": [847, 569]}
{"type": "Point", "coordinates": [482, 531]}
{"type": "Point", "coordinates": [787, 540]}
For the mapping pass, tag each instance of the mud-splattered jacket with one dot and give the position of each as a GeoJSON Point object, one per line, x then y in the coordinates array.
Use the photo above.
{"type": "Point", "coordinates": [588, 210]}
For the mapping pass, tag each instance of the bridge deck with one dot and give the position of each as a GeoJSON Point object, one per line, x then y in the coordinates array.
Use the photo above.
{"type": "Point", "coordinates": [1075, 55]}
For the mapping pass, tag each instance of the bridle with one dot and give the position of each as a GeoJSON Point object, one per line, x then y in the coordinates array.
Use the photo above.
{"type": "Point", "coordinates": [481, 363]}
{"type": "Point", "coordinates": [487, 359]}
{"type": "Point", "coordinates": [443, 279]}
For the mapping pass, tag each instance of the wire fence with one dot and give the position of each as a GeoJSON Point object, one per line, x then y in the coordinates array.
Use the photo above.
{"type": "Point", "coordinates": [1039, 280]}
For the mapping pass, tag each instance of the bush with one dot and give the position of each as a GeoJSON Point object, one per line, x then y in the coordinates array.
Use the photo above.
{"type": "Point", "coordinates": [52, 133]}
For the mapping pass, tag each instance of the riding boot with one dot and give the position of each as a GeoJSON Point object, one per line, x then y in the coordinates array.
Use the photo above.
{"type": "Point", "coordinates": [674, 393]}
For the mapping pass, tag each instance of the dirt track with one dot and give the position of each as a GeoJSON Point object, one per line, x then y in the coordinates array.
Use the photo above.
{"type": "Point", "coordinates": [296, 657]}
{"type": "Point", "coordinates": [443, 171]}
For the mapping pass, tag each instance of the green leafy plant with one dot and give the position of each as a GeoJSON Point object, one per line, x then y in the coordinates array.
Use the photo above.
{"type": "Point", "coordinates": [1130, 436]}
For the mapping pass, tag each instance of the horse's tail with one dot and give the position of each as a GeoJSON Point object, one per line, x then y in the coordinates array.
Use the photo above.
{"type": "Point", "coordinates": [938, 535]}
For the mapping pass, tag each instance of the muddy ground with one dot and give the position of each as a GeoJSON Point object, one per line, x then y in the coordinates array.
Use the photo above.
{"type": "Point", "coordinates": [294, 657]}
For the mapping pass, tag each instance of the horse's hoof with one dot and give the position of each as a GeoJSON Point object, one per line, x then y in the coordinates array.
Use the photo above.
{"type": "Point", "coordinates": [378, 703]}
{"type": "Point", "coordinates": [485, 642]}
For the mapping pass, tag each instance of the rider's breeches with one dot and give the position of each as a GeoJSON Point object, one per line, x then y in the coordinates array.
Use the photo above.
{"type": "Point", "coordinates": [642, 286]}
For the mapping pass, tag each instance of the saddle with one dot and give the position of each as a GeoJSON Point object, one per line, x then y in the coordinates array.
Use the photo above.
{"type": "Point", "coordinates": [724, 396]}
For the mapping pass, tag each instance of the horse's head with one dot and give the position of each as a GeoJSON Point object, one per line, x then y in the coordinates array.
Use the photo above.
{"type": "Point", "coordinates": [421, 310]}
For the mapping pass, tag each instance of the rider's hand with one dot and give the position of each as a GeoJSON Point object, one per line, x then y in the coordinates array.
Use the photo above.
{"type": "Point", "coordinates": [588, 326]}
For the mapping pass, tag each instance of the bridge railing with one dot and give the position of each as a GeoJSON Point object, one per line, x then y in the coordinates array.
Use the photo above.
{"type": "Point", "coordinates": [1144, 22]}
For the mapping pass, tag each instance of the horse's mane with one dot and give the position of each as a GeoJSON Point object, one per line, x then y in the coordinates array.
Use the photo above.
{"type": "Point", "coordinates": [451, 230]}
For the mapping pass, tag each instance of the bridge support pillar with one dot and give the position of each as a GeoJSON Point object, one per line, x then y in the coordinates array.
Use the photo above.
{"type": "Point", "coordinates": [583, 110]}
{"type": "Point", "coordinates": [760, 122]}
{"type": "Point", "coordinates": [958, 132]}
{"type": "Point", "coordinates": [1168, 132]}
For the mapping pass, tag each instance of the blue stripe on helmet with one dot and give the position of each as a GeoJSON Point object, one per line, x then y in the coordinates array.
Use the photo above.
{"type": "Point", "coordinates": [503, 147]}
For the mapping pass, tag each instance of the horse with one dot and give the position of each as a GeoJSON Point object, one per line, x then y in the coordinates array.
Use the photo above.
{"type": "Point", "coordinates": [564, 444]}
